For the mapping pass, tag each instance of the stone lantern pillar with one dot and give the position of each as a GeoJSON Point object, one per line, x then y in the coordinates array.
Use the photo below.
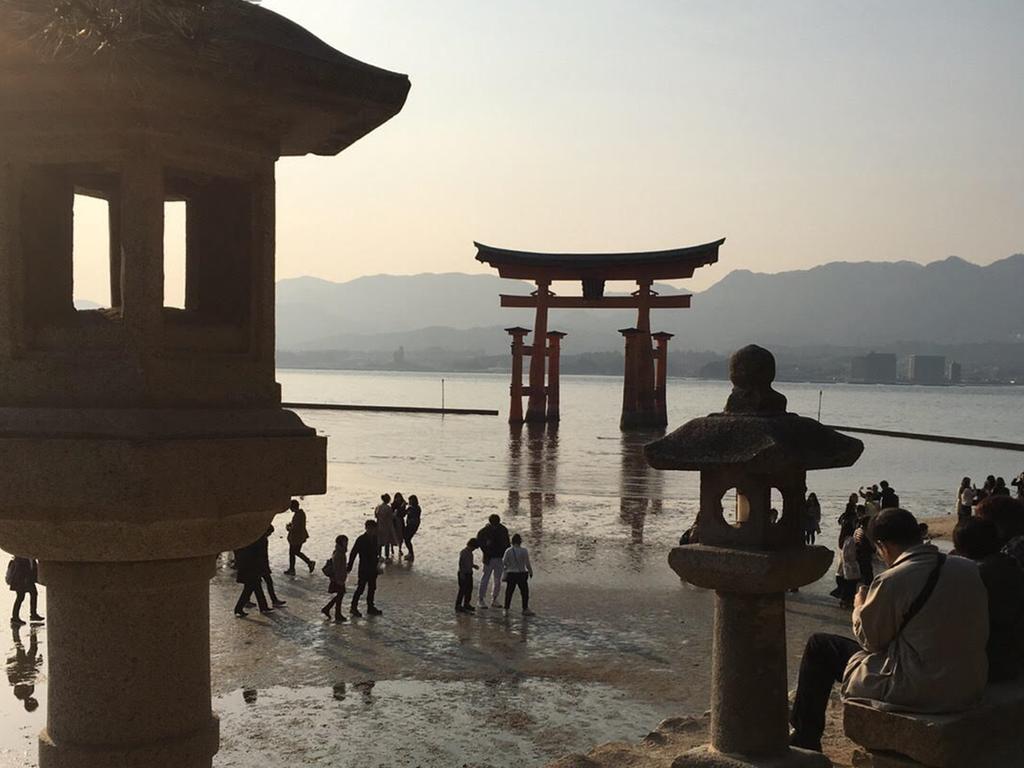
{"type": "Point", "coordinates": [139, 441]}
{"type": "Point", "coordinates": [752, 447]}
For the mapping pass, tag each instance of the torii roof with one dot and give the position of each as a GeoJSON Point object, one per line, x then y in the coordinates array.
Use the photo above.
{"type": "Point", "coordinates": [656, 265]}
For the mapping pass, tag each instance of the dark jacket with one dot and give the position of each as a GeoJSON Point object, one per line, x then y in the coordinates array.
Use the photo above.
{"type": "Point", "coordinates": [412, 520]}
{"type": "Point", "coordinates": [248, 563]}
{"type": "Point", "coordinates": [368, 550]}
{"type": "Point", "coordinates": [1004, 582]}
{"type": "Point", "coordinates": [493, 540]}
{"type": "Point", "coordinates": [263, 552]}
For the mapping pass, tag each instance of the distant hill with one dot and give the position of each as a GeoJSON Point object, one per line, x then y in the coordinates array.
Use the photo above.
{"type": "Point", "coordinates": [854, 305]}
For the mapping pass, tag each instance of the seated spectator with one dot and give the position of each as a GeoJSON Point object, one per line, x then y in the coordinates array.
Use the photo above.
{"type": "Point", "coordinates": [1008, 515]}
{"type": "Point", "coordinates": [921, 630]}
{"type": "Point", "coordinates": [978, 539]}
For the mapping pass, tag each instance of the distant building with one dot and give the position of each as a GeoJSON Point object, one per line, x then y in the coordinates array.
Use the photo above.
{"type": "Point", "coordinates": [927, 369]}
{"type": "Point", "coordinates": [956, 373]}
{"type": "Point", "coordinates": [873, 368]}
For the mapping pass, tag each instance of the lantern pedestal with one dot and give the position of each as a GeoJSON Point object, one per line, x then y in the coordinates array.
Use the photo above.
{"type": "Point", "coordinates": [117, 631]}
{"type": "Point", "coordinates": [749, 704]}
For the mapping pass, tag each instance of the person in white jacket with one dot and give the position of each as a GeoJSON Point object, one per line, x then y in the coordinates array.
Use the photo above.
{"type": "Point", "coordinates": [518, 572]}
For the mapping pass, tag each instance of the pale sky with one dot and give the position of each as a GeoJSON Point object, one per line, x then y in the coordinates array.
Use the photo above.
{"type": "Point", "coordinates": [803, 131]}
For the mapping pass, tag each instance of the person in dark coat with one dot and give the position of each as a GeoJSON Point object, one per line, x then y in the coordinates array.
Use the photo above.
{"type": "Point", "coordinates": [978, 539]}
{"type": "Point", "coordinates": [22, 574]}
{"type": "Point", "coordinates": [263, 548]}
{"type": "Point", "coordinates": [412, 524]}
{"type": "Point", "coordinates": [367, 550]}
{"type": "Point", "coordinates": [248, 561]}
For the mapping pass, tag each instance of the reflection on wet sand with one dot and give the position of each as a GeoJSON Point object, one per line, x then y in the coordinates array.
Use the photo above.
{"type": "Point", "coordinates": [541, 470]}
{"type": "Point", "coordinates": [23, 668]}
{"type": "Point", "coordinates": [640, 487]}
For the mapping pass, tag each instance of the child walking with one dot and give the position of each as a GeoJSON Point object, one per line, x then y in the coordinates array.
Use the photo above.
{"type": "Point", "coordinates": [335, 569]}
{"type": "Point", "coordinates": [466, 568]}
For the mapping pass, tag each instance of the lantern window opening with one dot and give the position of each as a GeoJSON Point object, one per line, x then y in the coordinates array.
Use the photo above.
{"type": "Point", "coordinates": [176, 214]}
{"type": "Point", "coordinates": [208, 247]}
{"type": "Point", "coordinates": [91, 280]}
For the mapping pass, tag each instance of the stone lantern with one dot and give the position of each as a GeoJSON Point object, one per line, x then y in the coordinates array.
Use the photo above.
{"type": "Point", "coordinates": [754, 446]}
{"type": "Point", "coordinates": [139, 441]}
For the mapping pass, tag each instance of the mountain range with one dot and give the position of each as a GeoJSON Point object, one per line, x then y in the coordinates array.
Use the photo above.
{"type": "Point", "coordinates": [837, 305]}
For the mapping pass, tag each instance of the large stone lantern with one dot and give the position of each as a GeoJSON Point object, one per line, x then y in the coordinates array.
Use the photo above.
{"type": "Point", "coordinates": [754, 446]}
{"type": "Point", "coordinates": [139, 441]}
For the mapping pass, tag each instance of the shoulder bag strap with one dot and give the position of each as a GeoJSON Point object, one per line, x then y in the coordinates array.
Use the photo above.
{"type": "Point", "coordinates": [926, 592]}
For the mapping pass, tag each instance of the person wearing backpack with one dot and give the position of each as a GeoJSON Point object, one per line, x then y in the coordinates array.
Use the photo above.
{"type": "Point", "coordinates": [908, 655]}
{"type": "Point", "coordinates": [494, 541]}
{"type": "Point", "coordinates": [22, 574]}
{"type": "Point", "coordinates": [336, 569]}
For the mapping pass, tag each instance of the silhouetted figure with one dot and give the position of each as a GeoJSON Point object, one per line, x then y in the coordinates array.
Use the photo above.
{"type": "Point", "coordinates": [367, 550]}
{"type": "Point", "coordinates": [966, 496]}
{"type": "Point", "coordinates": [297, 536]}
{"type": "Point", "coordinates": [250, 576]}
{"type": "Point", "coordinates": [263, 549]}
{"type": "Point", "coordinates": [22, 574]}
{"type": "Point", "coordinates": [887, 498]}
{"type": "Point", "coordinates": [493, 541]}
{"type": "Point", "coordinates": [413, 514]}
{"type": "Point", "coordinates": [518, 573]}
{"type": "Point", "coordinates": [385, 517]}
{"type": "Point", "coordinates": [978, 539]}
{"type": "Point", "coordinates": [23, 668]}
{"type": "Point", "coordinates": [812, 519]}
{"type": "Point", "coordinates": [398, 511]}
{"type": "Point", "coordinates": [336, 569]}
{"type": "Point", "coordinates": [466, 568]}
{"type": "Point", "coordinates": [1000, 489]}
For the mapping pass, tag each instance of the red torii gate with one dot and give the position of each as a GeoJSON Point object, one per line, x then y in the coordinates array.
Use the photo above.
{"type": "Point", "coordinates": [645, 374]}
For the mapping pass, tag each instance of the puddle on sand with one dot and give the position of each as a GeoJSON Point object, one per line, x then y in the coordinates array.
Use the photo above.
{"type": "Point", "coordinates": [425, 724]}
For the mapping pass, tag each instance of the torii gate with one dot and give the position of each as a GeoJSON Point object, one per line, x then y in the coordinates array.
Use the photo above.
{"type": "Point", "coordinates": [645, 371]}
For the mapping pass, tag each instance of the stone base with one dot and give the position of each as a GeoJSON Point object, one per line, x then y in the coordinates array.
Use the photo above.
{"type": "Point", "coordinates": [193, 751]}
{"type": "Point", "coordinates": [708, 757]}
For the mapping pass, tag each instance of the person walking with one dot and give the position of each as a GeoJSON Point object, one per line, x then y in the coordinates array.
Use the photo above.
{"type": "Point", "coordinates": [367, 550]}
{"type": "Point", "coordinates": [385, 517]}
{"type": "Point", "coordinates": [466, 568]}
{"type": "Point", "coordinates": [494, 541]}
{"type": "Point", "coordinates": [297, 536]}
{"type": "Point", "coordinates": [22, 575]}
{"type": "Point", "coordinates": [413, 514]}
{"type": "Point", "coordinates": [336, 569]}
{"type": "Point", "coordinates": [250, 576]}
{"type": "Point", "coordinates": [518, 572]}
{"type": "Point", "coordinates": [398, 510]}
{"type": "Point", "coordinates": [263, 550]}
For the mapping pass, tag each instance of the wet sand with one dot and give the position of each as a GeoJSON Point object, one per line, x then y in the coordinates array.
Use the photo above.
{"type": "Point", "coordinates": [604, 659]}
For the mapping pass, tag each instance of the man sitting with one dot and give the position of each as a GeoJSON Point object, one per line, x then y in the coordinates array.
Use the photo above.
{"type": "Point", "coordinates": [921, 630]}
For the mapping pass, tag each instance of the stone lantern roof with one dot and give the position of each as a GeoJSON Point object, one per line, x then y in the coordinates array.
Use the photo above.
{"type": "Point", "coordinates": [754, 433]}
{"type": "Point", "coordinates": [241, 61]}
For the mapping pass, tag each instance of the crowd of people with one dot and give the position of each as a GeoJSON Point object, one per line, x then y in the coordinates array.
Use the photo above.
{"type": "Point", "coordinates": [391, 530]}
{"type": "Point", "coordinates": [969, 496]}
{"type": "Point", "coordinates": [905, 653]}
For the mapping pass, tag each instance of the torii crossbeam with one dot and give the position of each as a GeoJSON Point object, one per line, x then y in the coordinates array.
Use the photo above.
{"type": "Point", "coordinates": [644, 403]}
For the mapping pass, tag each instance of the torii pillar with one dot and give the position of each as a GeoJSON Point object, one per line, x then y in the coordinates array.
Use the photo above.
{"type": "Point", "coordinates": [536, 407]}
{"type": "Point", "coordinates": [515, 409]}
{"type": "Point", "coordinates": [661, 340]}
{"type": "Point", "coordinates": [554, 357]}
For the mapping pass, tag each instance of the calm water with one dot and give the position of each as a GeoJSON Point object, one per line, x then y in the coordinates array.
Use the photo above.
{"type": "Point", "coordinates": [587, 458]}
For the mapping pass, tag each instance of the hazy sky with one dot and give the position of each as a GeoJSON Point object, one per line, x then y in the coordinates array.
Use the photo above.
{"type": "Point", "coordinates": [804, 132]}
